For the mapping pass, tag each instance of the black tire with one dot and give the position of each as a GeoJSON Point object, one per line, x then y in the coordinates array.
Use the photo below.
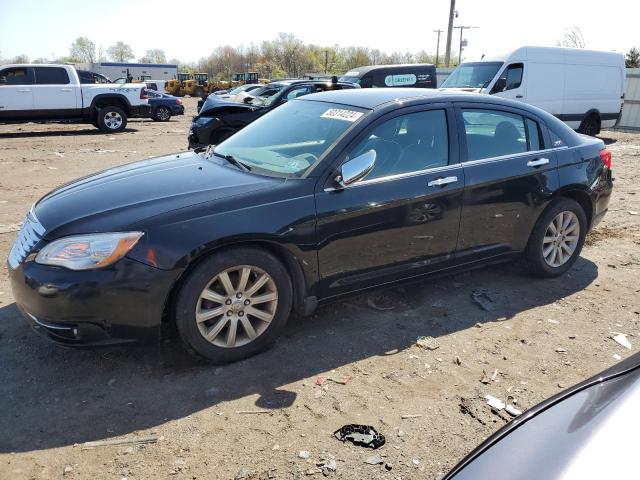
{"type": "Point", "coordinates": [534, 252]}
{"type": "Point", "coordinates": [590, 125]}
{"type": "Point", "coordinates": [114, 126]}
{"type": "Point", "coordinates": [162, 114]}
{"type": "Point", "coordinates": [188, 300]}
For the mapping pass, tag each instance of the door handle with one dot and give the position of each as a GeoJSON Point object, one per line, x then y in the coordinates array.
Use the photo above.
{"type": "Point", "coordinates": [65, 89]}
{"type": "Point", "coordinates": [518, 96]}
{"type": "Point", "coordinates": [24, 90]}
{"type": "Point", "coordinates": [538, 162]}
{"type": "Point", "coordinates": [438, 182]}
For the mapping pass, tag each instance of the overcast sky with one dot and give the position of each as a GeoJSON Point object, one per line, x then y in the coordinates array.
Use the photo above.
{"type": "Point", "coordinates": [189, 31]}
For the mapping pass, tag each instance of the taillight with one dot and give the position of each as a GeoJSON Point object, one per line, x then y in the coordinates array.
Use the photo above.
{"type": "Point", "coordinates": [178, 101]}
{"type": "Point", "coordinates": [605, 156]}
{"type": "Point", "coordinates": [143, 94]}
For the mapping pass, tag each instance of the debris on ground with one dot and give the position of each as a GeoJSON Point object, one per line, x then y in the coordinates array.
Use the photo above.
{"type": "Point", "coordinates": [495, 403]}
{"type": "Point", "coordinates": [494, 377]}
{"type": "Point", "coordinates": [361, 435]}
{"type": "Point", "coordinates": [374, 460]}
{"type": "Point", "coordinates": [485, 378]}
{"type": "Point", "coordinates": [561, 350]}
{"type": "Point", "coordinates": [120, 441]}
{"type": "Point", "coordinates": [341, 381]}
{"type": "Point", "coordinates": [252, 412]}
{"type": "Point", "coordinates": [482, 298]}
{"type": "Point", "coordinates": [415, 461]}
{"type": "Point", "coordinates": [303, 454]}
{"type": "Point", "coordinates": [617, 357]}
{"type": "Point", "coordinates": [513, 411]}
{"type": "Point", "coordinates": [467, 408]}
{"type": "Point", "coordinates": [328, 465]}
{"type": "Point", "coordinates": [411, 415]}
{"type": "Point", "coordinates": [428, 343]}
{"type": "Point", "coordinates": [621, 339]}
{"type": "Point", "coordinates": [67, 469]}
{"type": "Point", "coordinates": [632, 212]}
{"type": "Point", "coordinates": [243, 474]}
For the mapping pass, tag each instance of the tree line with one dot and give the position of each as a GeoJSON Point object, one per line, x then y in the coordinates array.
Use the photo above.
{"type": "Point", "coordinates": [284, 56]}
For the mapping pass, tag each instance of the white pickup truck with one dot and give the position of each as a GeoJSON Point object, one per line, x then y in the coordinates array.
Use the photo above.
{"type": "Point", "coordinates": [53, 93]}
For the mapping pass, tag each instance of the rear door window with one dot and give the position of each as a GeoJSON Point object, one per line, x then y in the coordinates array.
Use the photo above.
{"type": "Point", "coordinates": [51, 76]}
{"type": "Point", "coordinates": [492, 133]}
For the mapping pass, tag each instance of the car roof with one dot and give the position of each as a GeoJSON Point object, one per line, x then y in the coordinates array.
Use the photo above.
{"type": "Point", "coordinates": [373, 98]}
{"type": "Point", "coordinates": [366, 69]}
{"type": "Point", "coordinates": [306, 82]}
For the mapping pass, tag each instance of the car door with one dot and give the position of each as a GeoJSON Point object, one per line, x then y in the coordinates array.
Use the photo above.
{"type": "Point", "coordinates": [54, 95]}
{"type": "Point", "coordinates": [402, 219]}
{"type": "Point", "coordinates": [510, 176]}
{"type": "Point", "coordinates": [16, 93]}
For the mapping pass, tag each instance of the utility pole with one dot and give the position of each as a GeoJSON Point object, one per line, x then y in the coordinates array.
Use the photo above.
{"type": "Point", "coordinates": [462, 29]}
{"type": "Point", "coordinates": [326, 60]}
{"type": "Point", "coordinates": [438, 45]}
{"type": "Point", "coordinates": [447, 53]}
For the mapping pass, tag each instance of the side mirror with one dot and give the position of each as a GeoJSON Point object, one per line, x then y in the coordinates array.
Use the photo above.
{"type": "Point", "coordinates": [356, 169]}
{"type": "Point", "coordinates": [499, 86]}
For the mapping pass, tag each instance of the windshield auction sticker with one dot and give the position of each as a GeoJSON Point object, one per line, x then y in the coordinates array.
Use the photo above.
{"type": "Point", "coordinates": [340, 114]}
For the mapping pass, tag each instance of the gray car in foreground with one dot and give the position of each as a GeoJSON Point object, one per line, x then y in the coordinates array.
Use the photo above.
{"type": "Point", "coordinates": [585, 432]}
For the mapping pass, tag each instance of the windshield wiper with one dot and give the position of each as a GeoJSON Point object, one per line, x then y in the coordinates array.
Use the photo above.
{"type": "Point", "coordinates": [233, 160]}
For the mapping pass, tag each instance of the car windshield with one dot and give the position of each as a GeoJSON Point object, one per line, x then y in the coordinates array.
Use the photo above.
{"type": "Point", "coordinates": [355, 80]}
{"type": "Point", "coordinates": [266, 95]}
{"type": "Point", "coordinates": [472, 75]}
{"type": "Point", "coordinates": [291, 138]}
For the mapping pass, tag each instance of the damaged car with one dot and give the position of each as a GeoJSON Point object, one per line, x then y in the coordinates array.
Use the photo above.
{"type": "Point", "coordinates": [219, 120]}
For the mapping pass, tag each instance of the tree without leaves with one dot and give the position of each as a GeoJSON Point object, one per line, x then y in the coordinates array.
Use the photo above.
{"type": "Point", "coordinates": [632, 59]}
{"type": "Point", "coordinates": [154, 55]}
{"type": "Point", "coordinates": [572, 38]}
{"type": "Point", "coordinates": [83, 50]}
{"type": "Point", "coordinates": [120, 52]}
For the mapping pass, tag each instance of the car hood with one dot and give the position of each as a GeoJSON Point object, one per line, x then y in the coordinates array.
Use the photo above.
{"type": "Point", "coordinates": [455, 90]}
{"type": "Point", "coordinates": [224, 105]}
{"type": "Point", "coordinates": [119, 197]}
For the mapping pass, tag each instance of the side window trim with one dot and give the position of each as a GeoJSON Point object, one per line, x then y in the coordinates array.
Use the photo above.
{"type": "Point", "coordinates": [454, 150]}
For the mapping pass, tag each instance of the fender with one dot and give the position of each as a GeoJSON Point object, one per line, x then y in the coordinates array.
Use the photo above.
{"type": "Point", "coordinates": [110, 96]}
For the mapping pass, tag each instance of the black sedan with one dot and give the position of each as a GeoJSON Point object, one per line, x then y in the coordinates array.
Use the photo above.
{"type": "Point", "coordinates": [218, 120]}
{"type": "Point", "coordinates": [164, 106]}
{"type": "Point", "coordinates": [327, 195]}
{"type": "Point", "coordinates": [580, 433]}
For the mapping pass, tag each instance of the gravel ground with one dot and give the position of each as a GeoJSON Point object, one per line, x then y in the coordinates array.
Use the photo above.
{"type": "Point", "coordinates": [540, 336]}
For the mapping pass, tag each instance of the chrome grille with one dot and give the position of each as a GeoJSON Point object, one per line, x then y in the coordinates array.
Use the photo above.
{"type": "Point", "coordinates": [30, 234]}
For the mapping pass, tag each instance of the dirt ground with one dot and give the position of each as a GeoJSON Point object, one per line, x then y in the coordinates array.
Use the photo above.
{"type": "Point", "coordinates": [540, 337]}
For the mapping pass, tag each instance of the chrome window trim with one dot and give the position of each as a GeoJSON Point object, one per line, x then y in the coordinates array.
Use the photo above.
{"type": "Point", "coordinates": [444, 168]}
{"type": "Point", "coordinates": [397, 176]}
{"type": "Point", "coordinates": [510, 156]}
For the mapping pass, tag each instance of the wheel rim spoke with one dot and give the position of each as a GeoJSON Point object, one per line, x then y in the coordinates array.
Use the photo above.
{"type": "Point", "coordinates": [244, 278]}
{"type": "Point", "coordinates": [548, 239]}
{"type": "Point", "coordinates": [248, 328]}
{"type": "Point", "coordinates": [205, 315]}
{"type": "Point", "coordinates": [267, 297]}
{"type": "Point", "coordinates": [257, 285]}
{"type": "Point", "coordinates": [226, 283]}
{"type": "Point", "coordinates": [260, 314]}
{"type": "Point", "coordinates": [213, 332]}
{"type": "Point", "coordinates": [209, 294]}
{"type": "Point", "coordinates": [231, 334]}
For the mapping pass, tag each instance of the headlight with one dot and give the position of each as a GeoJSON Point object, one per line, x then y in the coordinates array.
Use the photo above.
{"type": "Point", "coordinates": [84, 252]}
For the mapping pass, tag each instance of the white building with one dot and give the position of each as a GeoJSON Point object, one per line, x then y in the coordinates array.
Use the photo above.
{"type": "Point", "coordinates": [114, 70]}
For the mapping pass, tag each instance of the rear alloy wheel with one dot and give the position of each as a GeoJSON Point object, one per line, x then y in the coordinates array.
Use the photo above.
{"type": "Point", "coordinates": [162, 114]}
{"type": "Point", "coordinates": [111, 119]}
{"type": "Point", "coordinates": [233, 304]}
{"type": "Point", "coordinates": [557, 239]}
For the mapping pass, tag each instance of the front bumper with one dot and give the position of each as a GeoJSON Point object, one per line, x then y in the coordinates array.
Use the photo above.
{"type": "Point", "coordinates": [118, 304]}
{"type": "Point", "coordinates": [177, 109]}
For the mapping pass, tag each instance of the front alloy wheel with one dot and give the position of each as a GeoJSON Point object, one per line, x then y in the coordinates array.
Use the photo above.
{"type": "Point", "coordinates": [233, 304]}
{"type": "Point", "coordinates": [237, 306]}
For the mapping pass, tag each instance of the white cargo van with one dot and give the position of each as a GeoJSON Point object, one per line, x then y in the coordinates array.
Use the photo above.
{"type": "Point", "coordinates": [583, 88]}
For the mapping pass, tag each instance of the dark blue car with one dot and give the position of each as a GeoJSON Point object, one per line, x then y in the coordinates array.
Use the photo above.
{"type": "Point", "coordinates": [163, 106]}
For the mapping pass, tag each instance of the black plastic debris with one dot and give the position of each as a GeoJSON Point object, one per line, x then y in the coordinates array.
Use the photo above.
{"type": "Point", "coordinates": [361, 435]}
